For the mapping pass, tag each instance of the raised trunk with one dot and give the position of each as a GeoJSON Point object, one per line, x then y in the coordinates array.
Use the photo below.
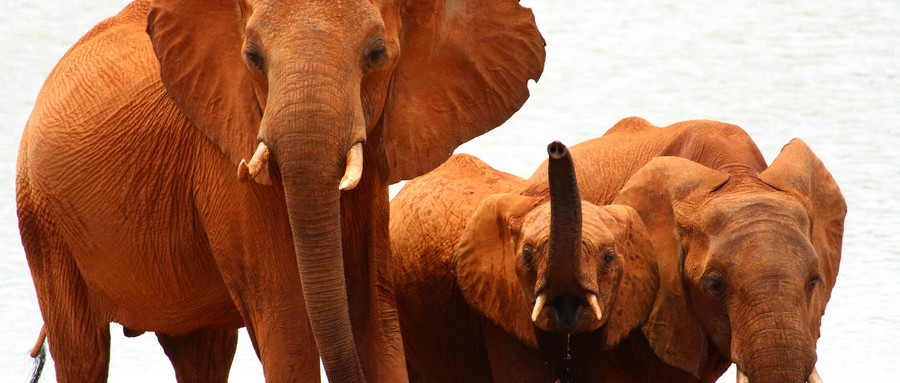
{"type": "Point", "coordinates": [565, 214]}
{"type": "Point", "coordinates": [310, 178]}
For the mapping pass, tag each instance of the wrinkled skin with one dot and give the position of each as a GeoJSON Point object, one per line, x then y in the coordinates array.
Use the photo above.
{"type": "Point", "coordinates": [748, 254]}
{"type": "Point", "coordinates": [466, 315]}
{"type": "Point", "coordinates": [129, 206]}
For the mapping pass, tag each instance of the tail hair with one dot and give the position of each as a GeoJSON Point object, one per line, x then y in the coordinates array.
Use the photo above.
{"type": "Point", "coordinates": [39, 354]}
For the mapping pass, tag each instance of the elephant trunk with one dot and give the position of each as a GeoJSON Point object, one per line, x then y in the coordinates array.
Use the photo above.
{"type": "Point", "coordinates": [311, 163]}
{"type": "Point", "coordinates": [565, 214]}
{"type": "Point", "coordinates": [774, 346]}
{"type": "Point", "coordinates": [563, 286]}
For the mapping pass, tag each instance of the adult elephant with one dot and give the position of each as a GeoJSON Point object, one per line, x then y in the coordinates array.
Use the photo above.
{"type": "Point", "coordinates": [130, 209]}
{"type": "Point", "coordinates": [747, 253]}
{"type": "Point", "coordinates": [499, 280]}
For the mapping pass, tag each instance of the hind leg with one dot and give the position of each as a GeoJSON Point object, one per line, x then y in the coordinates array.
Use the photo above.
{"type": "Point", "coordinates": [204, 355]}
{"type": "Point", "coordinates": [77, 334]}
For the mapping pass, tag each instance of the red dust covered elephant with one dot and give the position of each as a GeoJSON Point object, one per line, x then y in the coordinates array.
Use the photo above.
{"type": "Point", "coordinates": [131, 210]}
{"type": "Point", "coordinates": [748, 253]}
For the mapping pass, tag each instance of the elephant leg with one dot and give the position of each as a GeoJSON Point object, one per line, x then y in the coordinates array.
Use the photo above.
{"type": "Point", "coordinates": [251, 242]}
{"type": "Point", "coordinates": [77, 335]}
{"type": "Point", "coordinates": [368, 272]}
{"type": "Point", "coordinates": [204, 355]}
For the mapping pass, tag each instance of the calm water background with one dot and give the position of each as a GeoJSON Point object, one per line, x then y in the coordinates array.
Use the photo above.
{"type": "Point", "coordinates": [824, 71]}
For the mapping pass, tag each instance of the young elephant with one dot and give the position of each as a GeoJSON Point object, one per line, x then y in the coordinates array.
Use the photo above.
{"type": "Point", "coordinates": [539, 282]}
{"type": "Point", "coordinates": [747, 254]}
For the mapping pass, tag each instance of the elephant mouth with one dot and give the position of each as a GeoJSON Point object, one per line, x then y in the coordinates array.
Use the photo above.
{"type": "Point", "coordinates": [568, 313]}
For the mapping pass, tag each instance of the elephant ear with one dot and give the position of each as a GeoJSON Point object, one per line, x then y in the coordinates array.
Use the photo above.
{"type": "Point", "coordinates": [800, 173]}
{"type": "Point", "coordinates": [485, 264]}
{"type": "Point", "coordinates": [199, 48]}
{"type": "Point", "coordinates": [463, 70]}
{"type": "Point", "coordinates": [663, 192]}
{"type": "Point", "coordinates": [640, 281]}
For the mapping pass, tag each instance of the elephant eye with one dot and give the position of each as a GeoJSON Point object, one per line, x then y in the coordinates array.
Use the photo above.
{"type": "Point", "coordinates": [527, 257]}
{"type": "Point", "coordinates": [609, 257]}
{"type": "Point", "coordinates": [254, 59]}
{"type": "Point", "coordinates": [715, 285]}
{"type": "Point", "coordinates": [376, 54]}
{"type": "Point", "coordinates": [813, 281]}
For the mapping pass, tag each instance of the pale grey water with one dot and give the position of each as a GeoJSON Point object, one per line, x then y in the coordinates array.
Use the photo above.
{"type": "Point", "coordinates": [824, 71]}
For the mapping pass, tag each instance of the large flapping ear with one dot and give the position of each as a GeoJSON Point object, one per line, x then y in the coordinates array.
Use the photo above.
{"type": "Point", "coordinates": [799, 172]}
{"type": "Point", "coordinates": [485, 264]}
{"type": "Point", "coordinates": [463, 70]}
{"type": "Point", "coordinates": [199, 47]}
{"type": "Point", "coordinates": [640, 281]}
{"type": "Point", "coordinates": [661, 192]}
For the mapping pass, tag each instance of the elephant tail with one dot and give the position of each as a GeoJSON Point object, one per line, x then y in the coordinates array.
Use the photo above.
{"type": "Point", "coordinates": [39, 354]}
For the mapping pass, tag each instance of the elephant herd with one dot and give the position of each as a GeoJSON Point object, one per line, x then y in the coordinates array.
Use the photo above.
{"type": "Point", "coordinates": [645, 255]}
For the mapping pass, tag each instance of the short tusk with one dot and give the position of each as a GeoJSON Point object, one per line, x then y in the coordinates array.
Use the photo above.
{"type": "Point", "coordinates": [538, 305]}
{"type": "Point", "coordinates": [595, 306]}
{"type": "Point", "coordinates": [814, 377]}
{"type": "Point", "coordinates": [248, 171]}
{"type": "Point", "coordinates": [742, 377]}
{"type": "Point", "coordinates": [354, 167]}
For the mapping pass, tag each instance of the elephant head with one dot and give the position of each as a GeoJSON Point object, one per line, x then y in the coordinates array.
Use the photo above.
{"type": "Point", "coordinates": [320, 85]}
{"type": "Point", "coordinates": [563, 265]}
{"type": "Point", "coordinates": [746, 264]}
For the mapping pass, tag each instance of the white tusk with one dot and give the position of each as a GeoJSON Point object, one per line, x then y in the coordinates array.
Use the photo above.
{"type": "Point", "coordinates": [354, 169]}
{"type": "Point", "coordinates": [814, 377]}
{"type": "Point", "coordinates": [538, 305]}
{"type": "Point", "coordinates": [248, 171]}
{"type": "Point", "coordinates": [741, 377]}
{"type": "Point", "coordinates": [592, 300]}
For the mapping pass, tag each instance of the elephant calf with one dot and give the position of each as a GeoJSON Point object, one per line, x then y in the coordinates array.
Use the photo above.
{"type": "Point", "coordinates": [539, 282]}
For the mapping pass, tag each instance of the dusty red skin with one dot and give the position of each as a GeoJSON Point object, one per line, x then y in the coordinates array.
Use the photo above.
{"type": "Point", "coordinates": [130, 210]}
{"type": "Point", "coordinates": [712, 198]}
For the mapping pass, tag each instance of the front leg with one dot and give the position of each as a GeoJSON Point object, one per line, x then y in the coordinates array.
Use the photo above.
{"type": "Point", "coordinates": [368, 272]}
{"type": "Point", "coordinates": [250, 238]}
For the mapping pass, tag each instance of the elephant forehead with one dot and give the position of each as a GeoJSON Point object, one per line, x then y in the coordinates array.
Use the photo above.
{"type": "Point", "coordinates": [314, 12]}
{"type": "Point", "coordinates": [763, 231]}
{"type": "Point", "coordinates": [736, 213]}
{"type": "Point", "coordinates": [596, 227]}
{"type": "Point", "coordinates": [536, 224]}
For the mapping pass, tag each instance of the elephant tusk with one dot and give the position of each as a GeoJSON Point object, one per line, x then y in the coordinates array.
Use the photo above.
{"type": "Point", "coordinates": [742, 377]}
{"type": "Point", "coordinates": [538, 305]}
{"type": "Point", "coordinates": [814, 376]}
{"type": "Point", "coordinates": [248, 171]}
{"type": "Point", "coordinates": [595, 306]}
{"type": "Point", "coordinates": [354, 169]}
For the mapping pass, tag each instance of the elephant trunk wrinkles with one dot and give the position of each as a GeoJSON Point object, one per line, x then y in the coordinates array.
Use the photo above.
{"type": "Point", "coordinates": [774, 346]}
{"type": "Point", "coordinates": [310, 165]}
{"type": "Point", "coordinates": [565, 214]}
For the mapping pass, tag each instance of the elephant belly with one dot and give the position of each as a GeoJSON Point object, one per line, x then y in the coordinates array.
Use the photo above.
{"type": "Point", "coordinates": [148, 267]}
{"type": "Point", "coordinates": [124, 208]}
